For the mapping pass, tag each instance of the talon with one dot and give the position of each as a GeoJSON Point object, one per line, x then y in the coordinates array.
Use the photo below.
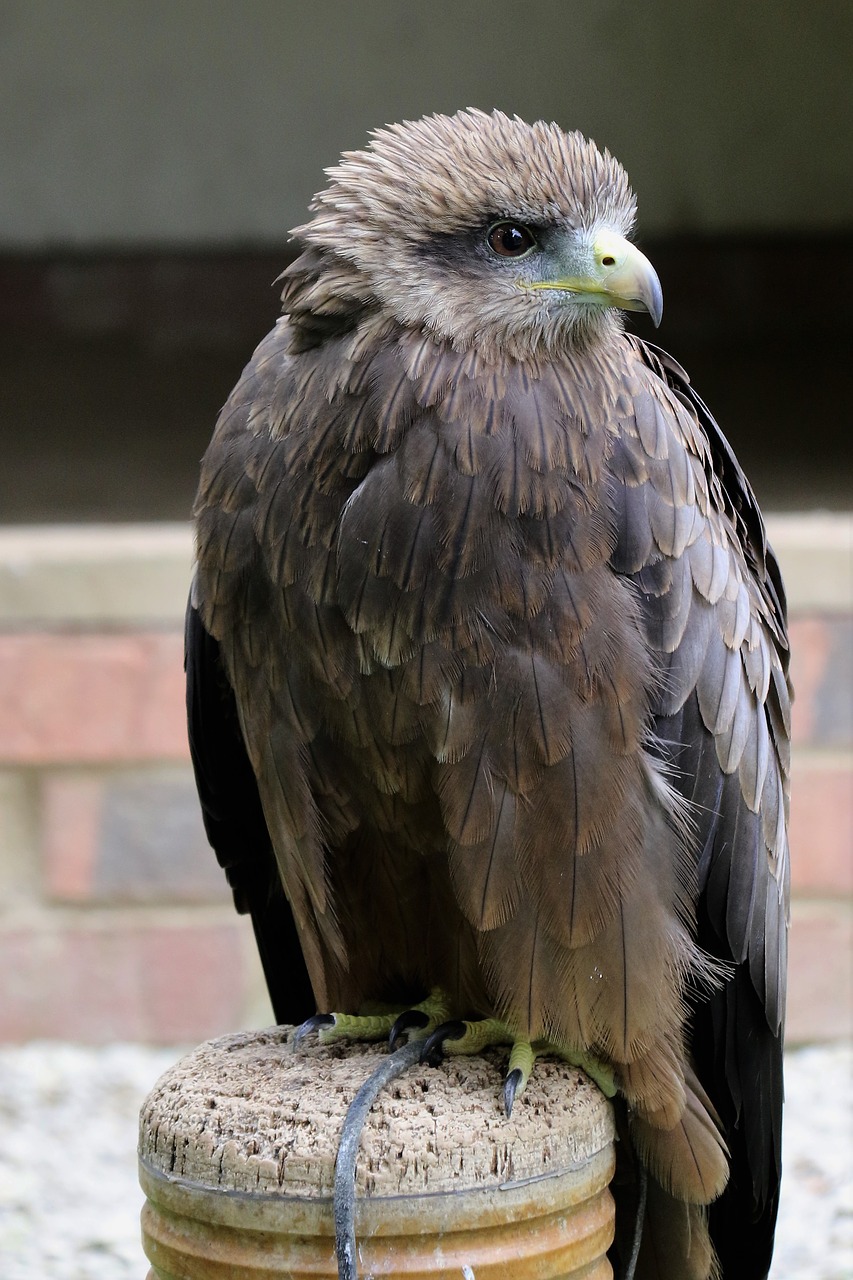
{"type": "Point", "coordinates": [409, 1020]}
{"type": "Point", "coordinates": [317, 1023]}
{"type": "Point", "coordinates": [513, 1080]}
{"type": "Point", "coordinates": [432, 1051]}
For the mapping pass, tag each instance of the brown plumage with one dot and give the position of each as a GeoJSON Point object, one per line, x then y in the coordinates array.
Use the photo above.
{"type": "Point", "coordinates": [489, 598]}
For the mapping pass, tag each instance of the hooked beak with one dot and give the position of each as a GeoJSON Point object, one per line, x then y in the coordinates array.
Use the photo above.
{"type": "Point", "coordinates": [620, 276]}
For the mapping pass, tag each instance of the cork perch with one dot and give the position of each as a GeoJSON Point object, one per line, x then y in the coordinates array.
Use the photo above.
{"type": "Point", "coordinates": [237, 1149]}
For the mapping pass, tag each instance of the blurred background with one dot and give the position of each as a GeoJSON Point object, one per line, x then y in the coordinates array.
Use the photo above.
{"type": "Point", "coordinates": [153, 157]}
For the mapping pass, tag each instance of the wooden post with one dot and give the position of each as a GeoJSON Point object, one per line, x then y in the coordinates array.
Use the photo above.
{"type": "Point", "coordinates": [237, 1149]}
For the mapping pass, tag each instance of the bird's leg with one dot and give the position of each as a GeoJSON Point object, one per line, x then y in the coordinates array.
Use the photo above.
{"type": "Point", "coordinates": [456, 1038]}
{"type": "Point", "coordinates": [378, 1022]}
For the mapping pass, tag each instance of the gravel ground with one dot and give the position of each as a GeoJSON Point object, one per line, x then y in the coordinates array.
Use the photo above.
{"type": "Point", "coordinates": [71, 1211]}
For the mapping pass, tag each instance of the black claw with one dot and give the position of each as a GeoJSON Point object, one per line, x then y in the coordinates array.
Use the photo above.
{"type": "Point", "coordinates": [431, 1052]}
{"type": "Point", "coordinates": [511, 1084]}
{"type": "Point", "coordinates": [317, 1023]}
{"type": "Point", "coordinates": [410, 1020]}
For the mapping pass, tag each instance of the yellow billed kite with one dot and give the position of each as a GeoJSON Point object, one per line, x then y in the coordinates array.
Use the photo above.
{"type": "Point", "coordinates": [487, 666]}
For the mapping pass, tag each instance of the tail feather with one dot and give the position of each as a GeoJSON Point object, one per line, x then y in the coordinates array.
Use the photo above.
{"type": "Point", "coordinates": [675, 1243]}
{"type": "Point", "coordinates": [690, 1159]}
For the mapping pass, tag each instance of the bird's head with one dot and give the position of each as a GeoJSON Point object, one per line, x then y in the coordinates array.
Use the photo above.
{"type": "Point", "coordinates": [486, 231]}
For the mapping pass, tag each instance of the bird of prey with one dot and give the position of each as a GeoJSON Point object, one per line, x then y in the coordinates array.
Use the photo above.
{"type": "Point", "coordinates": [487, 666]}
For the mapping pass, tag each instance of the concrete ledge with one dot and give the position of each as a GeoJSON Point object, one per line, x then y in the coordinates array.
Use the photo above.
{"type": "Point", "coordinates": [815, 551]}
{"type": "Point", "coordinates": [121, 574]}
{"type": "Point", "coordinates": [94, 575]}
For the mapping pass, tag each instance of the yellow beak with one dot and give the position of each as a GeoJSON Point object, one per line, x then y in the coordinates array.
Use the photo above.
{"type": "Point", "coordinates": [620, 276]}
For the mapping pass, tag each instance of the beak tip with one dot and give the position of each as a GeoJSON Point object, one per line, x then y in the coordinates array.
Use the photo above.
{"type": "Point", "coordinates": [654, 302]}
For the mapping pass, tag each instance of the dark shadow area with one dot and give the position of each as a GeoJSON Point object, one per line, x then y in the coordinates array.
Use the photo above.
{"type": "Point", "coordinates": [112, 369]}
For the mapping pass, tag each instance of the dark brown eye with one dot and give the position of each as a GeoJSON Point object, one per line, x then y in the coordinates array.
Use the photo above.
{"type": "Point", "coordinates": [511, 239]}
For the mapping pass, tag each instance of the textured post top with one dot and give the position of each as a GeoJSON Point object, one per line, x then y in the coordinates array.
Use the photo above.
{"type": "Point", "coordinates": [245, 1113]}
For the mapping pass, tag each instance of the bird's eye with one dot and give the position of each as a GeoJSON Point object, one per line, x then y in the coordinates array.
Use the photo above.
{"type": "Point", "coordinates": [510, 239]}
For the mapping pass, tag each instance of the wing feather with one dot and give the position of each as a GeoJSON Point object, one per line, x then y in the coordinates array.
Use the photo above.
{"type": "Point", "coordinates": [723, 725]}
{"type": "Point", "coordinates": [485, 876]}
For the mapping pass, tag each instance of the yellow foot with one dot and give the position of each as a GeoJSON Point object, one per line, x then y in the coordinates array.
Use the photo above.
{"type": "Point", "coordinates": [596, 1068]}
{"type": "Point", "coordinates": [454, 1038]}
{"type": "Point", "coordinates": [468, 1038]}
{"type": "Point", "coordinates": [377, 1023]}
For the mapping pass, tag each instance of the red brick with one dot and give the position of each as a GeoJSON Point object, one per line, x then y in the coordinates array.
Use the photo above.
{"type": "Point", "coordinates": [71, 820]}
{"type": "Point", "coordinates": [820, 975]}
{"type": "Point", "coordinates": [810, 647]}
{"type": "Point", "coordinates": [101, 979]}
{"type": "Point", "coordinates": [91, 698]}
{"type": "Point", "coordinates": [194, 979]}
{"type": "Point", "coordinates": [131, 835]}
{"type": "Point", "coordinates": [822, 674]}
{"type": "Point", "coordinates": [821, 830]}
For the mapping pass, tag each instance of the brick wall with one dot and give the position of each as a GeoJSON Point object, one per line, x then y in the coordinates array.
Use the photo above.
{"type": "Point", "coordinates": [115, 921]}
